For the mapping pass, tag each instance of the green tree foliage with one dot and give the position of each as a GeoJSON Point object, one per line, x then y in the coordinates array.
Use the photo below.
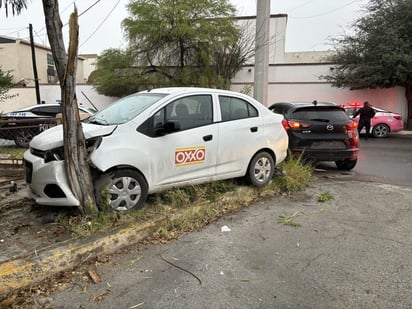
{"type": "Point", "coordinates": [189, 42]}
{"type": "Point", "coordinates": [378, 52]}
{"type": "Point", "coordinates": [6, 82]}
{"type": "Point", "coordinates": [15, 5]}
{"type": "Point", "coordinates": [115, 74]}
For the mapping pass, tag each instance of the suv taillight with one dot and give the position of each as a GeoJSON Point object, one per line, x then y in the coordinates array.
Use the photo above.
{"type": "Point", "coordinates": [352, 130]}
{"type": "Point", "coordinates": [291, 124]}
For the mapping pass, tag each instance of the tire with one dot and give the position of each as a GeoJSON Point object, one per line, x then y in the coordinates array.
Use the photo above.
{"type": "Point", "coordinates": [380, 130]}
{"type": "Point", "coordinates": [121, 190]}
{"type": "Point", "coordinates": [261, 169]}
{"type": "Point", "coordinates": [23, 138]}
{"type": "Point", "coordinates": [346, 165]}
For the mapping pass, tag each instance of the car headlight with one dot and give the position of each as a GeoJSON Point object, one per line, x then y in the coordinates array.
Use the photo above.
{"type": "Point", "coordinates": [57, 154]}
{"type": "Point", "coordinates": [92, 144]}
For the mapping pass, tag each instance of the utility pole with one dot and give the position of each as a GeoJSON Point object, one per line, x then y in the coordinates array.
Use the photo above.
{"type": "Point", "coordinates": [260, 90]}
{"type": "Point", "coordinates": [33, 59]}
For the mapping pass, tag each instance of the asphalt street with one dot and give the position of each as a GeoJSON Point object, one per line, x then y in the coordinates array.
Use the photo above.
{"type": "Point", "coordinates": [354, 251]}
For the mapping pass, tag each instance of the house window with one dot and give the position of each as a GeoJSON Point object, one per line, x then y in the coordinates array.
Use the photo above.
{"type": "Point", "coordinates": [51, 71]}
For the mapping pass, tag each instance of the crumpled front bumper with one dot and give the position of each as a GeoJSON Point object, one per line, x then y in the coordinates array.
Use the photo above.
{"type": "Point", "coordinates": [47, 182]}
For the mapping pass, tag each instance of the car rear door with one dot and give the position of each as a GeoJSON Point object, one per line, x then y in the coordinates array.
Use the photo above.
{"type": "Point", "coordinates": [239, 134]}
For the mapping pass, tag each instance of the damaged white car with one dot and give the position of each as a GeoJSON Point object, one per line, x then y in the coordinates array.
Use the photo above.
{"type": "Point", "coordinates": [155, 140]}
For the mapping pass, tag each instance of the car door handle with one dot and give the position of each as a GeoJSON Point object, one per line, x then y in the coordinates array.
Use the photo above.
{"type": "Point", "coordinates": [207, 138]}
{"type": "Point", "coordinates": [253, 129]}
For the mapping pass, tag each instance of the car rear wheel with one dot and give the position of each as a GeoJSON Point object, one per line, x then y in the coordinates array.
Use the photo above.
{"type": "Point", "coordinates": [346, 165]}
{"type": "Point", "coordinates": [23, 138]}
{"type": "Point", "coordinates": [121, 190]}
{"type": "Point", "coordinates": [380, 130]}
{"type": "Point", "coordinates": [261, 169]}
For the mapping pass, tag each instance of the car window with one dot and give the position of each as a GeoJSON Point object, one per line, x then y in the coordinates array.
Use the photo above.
{"type": "Point", "coordinates": [126, 108]}
{"type": "Point", "coordinates": [351, 110]}
{"type": "Point", "coordinates": [320, 115]}
{"type": "Point", "coordinates": [234, 108]}
{"type": "Point", "coordinates": [191, 111]}
{"type": "Point", "coordinates": [185, 113]}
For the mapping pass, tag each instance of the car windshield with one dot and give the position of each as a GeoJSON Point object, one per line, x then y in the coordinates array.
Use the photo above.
{"type": "Point", "coordinates": [125, 109]}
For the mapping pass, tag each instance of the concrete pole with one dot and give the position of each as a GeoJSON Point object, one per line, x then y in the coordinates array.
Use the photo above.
{"type": "Point", "coordinates": [260, 90]}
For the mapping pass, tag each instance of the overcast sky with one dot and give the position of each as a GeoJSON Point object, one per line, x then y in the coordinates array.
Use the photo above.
{"type": "Point", "coordinates": [310, 22]}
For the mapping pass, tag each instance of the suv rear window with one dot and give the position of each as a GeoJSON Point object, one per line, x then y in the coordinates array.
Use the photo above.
{"type": "Point", "coordinates": [320, 115]}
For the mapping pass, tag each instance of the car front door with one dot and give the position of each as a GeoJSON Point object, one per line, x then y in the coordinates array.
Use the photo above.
{"type": "Point", "coordinates": [183, 142]}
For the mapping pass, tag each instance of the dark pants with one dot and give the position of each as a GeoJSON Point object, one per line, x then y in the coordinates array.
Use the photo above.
{"type": "Point", "coordinates": [365, 123]}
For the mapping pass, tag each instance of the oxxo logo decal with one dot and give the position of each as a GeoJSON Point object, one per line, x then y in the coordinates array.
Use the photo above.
{"type": "Point", "coordinates": [192, 155]}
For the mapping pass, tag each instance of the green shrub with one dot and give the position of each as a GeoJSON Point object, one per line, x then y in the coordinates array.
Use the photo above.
{"type": "Point", "coordinates": [297, 175]}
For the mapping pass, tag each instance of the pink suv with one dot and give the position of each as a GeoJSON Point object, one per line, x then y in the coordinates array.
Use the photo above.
{"type": "Point", "coordinates": [382, 124]}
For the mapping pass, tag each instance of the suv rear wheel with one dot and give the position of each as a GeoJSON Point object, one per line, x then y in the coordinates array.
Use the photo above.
{"type": "Point", "coordinates": [346, 165]}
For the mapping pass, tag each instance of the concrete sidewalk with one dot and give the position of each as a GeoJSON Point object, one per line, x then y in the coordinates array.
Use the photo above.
{"type": "Point", "coordinates": [32, 256]}
{"type": "Point", "coordinates": [403, 132]}
{"type": "Point", "coordinates": [27, 270]}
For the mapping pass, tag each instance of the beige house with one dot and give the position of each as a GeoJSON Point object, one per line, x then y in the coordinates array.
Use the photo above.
{"type": "Point", "coordinates": [16, 56]}
{"type": "Point", "coordinates": [89, 65]}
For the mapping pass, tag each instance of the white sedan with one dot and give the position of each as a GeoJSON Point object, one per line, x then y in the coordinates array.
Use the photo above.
{"type": "Point", "coordinates": [155, 140]}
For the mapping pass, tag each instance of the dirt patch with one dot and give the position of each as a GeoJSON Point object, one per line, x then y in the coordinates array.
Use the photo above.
{"type": "Point", "coordinates": [26, 228]}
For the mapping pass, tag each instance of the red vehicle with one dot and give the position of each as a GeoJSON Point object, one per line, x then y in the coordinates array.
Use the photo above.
{"type": "Point", "coordinates": [382, 124]}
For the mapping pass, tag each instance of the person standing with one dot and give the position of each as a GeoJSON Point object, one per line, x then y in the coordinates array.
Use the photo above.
{"type": "Point", "coordinates": [366, 113]}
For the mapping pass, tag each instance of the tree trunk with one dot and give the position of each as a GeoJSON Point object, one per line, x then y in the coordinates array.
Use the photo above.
{"type": "Point", "coordinates": [77, 168]}
{"type": "Point", "coordinates": [408, 95]}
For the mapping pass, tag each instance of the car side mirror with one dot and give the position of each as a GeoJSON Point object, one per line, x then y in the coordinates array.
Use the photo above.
{"type": "Point", "coordinates": [170, 126]}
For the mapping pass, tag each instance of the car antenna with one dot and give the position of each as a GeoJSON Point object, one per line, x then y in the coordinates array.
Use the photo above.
{"type": "Point", "coordinates": [315, 102]}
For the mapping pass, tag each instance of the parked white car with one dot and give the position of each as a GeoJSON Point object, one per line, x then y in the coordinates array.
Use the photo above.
{"type": "Point", "coordinates": [154, 140]}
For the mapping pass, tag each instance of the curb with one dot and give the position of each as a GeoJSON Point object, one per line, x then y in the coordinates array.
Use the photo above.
{"type": "Point", "coordinates": [25, 271]}
{"type": "Point", "coordinates": [403, 132]}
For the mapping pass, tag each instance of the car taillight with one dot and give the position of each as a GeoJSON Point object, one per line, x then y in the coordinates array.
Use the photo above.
{"type": "Point", "coordinates": [292, 124]}
{"type": "Point", "coordinates": [352, 130]}
{"type": "Point", "coordinates": [285, 124]}
{"type": "Point", "coordinates": [398, 117]}
{"type": "Point", "coordinates": [354, 124]}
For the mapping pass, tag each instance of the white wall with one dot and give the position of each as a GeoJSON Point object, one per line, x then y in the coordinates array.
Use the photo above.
{"type": "Point", "coordinates": [26, 96]}
{"type": "Point", "coordinates": [302, 82]}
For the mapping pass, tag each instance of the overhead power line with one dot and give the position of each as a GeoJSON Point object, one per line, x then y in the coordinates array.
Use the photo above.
{"type": "Point", "coordinates": [98, 27]}
{"type": "Point", "coordinates": [325, 13]}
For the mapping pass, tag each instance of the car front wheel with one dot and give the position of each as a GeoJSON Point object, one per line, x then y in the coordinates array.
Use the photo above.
{"type": "Point", "coordinates": [261, 169]}
{"type": "Point", "coordinates": [346, 165]}
{"type": "Point", "coordinates": [121, 190]}
{"type": "Point", "coordinates": [380, 130]}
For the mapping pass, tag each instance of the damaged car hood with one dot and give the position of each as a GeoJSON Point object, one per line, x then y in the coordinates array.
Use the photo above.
{"type": "Point", "coordinates": [53, 137]}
